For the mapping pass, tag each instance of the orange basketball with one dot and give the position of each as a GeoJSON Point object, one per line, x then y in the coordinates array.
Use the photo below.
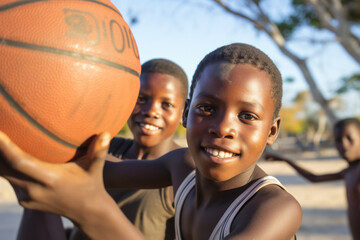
{"type": "Point", "coordinates": [70, 70]}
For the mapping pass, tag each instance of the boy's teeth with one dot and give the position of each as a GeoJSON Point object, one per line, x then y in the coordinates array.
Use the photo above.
{"type": "Point", "coordinates": [149, 126]}
{"type": "Point", "coordinates": [219, 154]}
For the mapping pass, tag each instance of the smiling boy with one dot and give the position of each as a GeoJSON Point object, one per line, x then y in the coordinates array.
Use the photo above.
{"type": "Point", "coordinates": [231, 115]}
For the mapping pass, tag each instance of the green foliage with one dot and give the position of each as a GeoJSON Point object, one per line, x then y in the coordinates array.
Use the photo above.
{"type": "Point", "coordinates": [304, 15]}
{"type": "Point", "coordinates": [352, 8]}
{"type": "Point", "coordinates": [350, 83]}
{"type": "Point", "coordinates": [301, 15]}
{"type": "Point", "coordinates": [289, 79]}
{"type": "Point", "coordinates": [290, 122]}
{"type": "Point", "coordinates": [180, 131]}
{"type": "Point", "coordinates": [124, 131]}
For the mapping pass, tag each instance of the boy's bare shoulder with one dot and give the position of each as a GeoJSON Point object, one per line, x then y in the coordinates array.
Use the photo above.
{"type": "Point", "coordinates": [273, 213]}
{"type": "Point", "coordinates": [180, 157]}
{"type": "Point", "coordinates": [180, 163]}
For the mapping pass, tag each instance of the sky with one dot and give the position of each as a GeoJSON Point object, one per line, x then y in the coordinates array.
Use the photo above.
{"type": "Point", "coordinates": [184, 31]}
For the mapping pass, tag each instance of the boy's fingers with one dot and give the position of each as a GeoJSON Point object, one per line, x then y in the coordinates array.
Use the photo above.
{"type": "Point", "coordinates": [19, 161]}
{"type": "Point", "coordinates": [98, 151]}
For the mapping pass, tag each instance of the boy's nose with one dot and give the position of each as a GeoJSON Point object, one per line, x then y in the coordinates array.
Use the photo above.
{"type": "Point", "coordinates": [151, 110]}
{"type": "Point", "coordinates": [223, 129]}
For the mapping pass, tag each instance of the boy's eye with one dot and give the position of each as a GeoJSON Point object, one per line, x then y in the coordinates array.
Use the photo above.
{"type": "Point", "coordinates": [247, 116]}
{"type": "Point", "coordinates": [141, 100]}
{"type": "Point", "coordinates": [167, 105]}
{"type": "Point", "coordinates": [205, 109]}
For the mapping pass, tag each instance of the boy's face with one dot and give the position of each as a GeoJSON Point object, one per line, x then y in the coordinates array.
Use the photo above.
{"type": "Point", "coordinates": [158, 110]}
{"type": "Point", "coordinates": [230, 119]}
{"type": "Point", "coordinates": [347, 142]}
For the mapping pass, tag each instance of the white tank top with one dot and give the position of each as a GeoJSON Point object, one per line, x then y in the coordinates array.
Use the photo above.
{"type": "Point", "coordinates": [222, 228]}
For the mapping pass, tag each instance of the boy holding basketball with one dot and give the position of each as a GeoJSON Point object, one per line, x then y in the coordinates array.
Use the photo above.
{"type": "Point", "coordinates": [232, 114]}
{"type": "Point", "coordinates": [153, 122]}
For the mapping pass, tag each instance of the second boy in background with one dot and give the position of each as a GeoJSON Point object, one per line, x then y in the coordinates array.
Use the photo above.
{"type": "Point", "coordinates": [153, 122]}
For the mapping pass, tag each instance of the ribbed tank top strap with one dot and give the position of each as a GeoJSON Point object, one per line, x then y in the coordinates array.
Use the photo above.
{"type": "Point", "coordinates": [181, 194]}
{"type": "Point", "coordinates": [222, 228]}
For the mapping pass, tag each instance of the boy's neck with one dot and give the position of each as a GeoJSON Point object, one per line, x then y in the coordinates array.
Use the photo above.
{"type": "Point", "coordinates": [208, 191]}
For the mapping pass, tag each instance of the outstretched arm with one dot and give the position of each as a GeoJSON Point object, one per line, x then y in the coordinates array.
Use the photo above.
{"type": "Point", "coordinates": [74, 190]}
{"type": "Point", "coordinates": [304, 172]}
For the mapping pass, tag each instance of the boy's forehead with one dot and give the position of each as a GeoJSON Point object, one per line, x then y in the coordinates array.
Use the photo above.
{"type": "Point", "coordinates": [229, 72]}
{"type": "Point", "coordinates": [350, 127]}
{"type": "Point", "coordinates": [219, 70]}
{"type": "Point", "coordinates": [239, 82]}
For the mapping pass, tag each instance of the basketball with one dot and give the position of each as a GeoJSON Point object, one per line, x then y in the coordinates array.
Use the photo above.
{"type": "Point", "coordinates": [70, 70]}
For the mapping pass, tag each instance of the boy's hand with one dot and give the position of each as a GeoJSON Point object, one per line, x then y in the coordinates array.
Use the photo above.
{"type": "Point", "coordinates": [62, 189]}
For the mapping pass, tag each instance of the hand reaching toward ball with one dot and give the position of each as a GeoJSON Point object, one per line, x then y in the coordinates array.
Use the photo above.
{"type": "Point", "coordinates": [56, 188]}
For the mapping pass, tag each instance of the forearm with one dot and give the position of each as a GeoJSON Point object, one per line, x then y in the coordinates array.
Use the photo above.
{"type": "Point", "coordinates": [105, 221]}
{"type": "Point", "coordinates": [303, 172]}
{"type": "Point", "coordinates": [316, 177]}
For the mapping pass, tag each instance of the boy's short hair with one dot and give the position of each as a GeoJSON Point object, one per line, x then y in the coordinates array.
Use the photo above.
{"type": "Point", "coordinates": [165, 66]}
{"type": "Point", "coordinates": [238, 53]}
{"type": "Point", "coordinates": [347, 121]}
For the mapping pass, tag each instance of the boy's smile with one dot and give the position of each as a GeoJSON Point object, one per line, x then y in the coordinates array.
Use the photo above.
{"type": "Point", "coordinates": [219, 156]}
{"type": "Point", "coordinates": [148, 128]}
{"type": "Point", "coordinates": [158, 109]}
{"type": "Point", "coordinates": [230, 119]}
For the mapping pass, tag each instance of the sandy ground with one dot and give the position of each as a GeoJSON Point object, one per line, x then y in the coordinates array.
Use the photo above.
{"type": "Point", "coordinates": [324, 204]}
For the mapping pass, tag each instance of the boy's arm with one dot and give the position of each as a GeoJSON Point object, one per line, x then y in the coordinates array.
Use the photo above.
{"type": "Point", "coordinates": [144, 174]}
{"type": "Point", "coordinates": [74, 190]}
{"type": "Point", "coordinates": [306, 173]}
{"type": "Point", "coordinates": [272, 214]}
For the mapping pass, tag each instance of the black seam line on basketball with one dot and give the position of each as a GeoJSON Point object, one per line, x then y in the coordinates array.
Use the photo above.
{"type": "Point", "coordinates": [68, 53]}
{"type": "Point", "coordinates": [31, 120]}
{"type": "Point", "coordinates": [16, 4]}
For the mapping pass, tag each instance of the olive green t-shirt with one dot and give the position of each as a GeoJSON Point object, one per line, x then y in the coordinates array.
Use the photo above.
{"type": "Point", "coordinates": [150, 210]}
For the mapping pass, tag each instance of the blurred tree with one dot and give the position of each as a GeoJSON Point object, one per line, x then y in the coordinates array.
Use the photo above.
{"type": "Point", "coordinates": [180, 132]}
{"type": "Point", "coordinates": [340, 17]}
{"type": "Point", "coordinates": [125, 132]}
{"type": "Point", "coordinates": [349, 83]}
{"type": "Point", "coordinates": [315, 126]}
{"type": "Point", "coordinates": [291, 122]}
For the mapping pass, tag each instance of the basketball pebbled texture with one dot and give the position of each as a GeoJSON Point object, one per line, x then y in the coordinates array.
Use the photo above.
{"type": "Point", "coordinates": [70, 70]}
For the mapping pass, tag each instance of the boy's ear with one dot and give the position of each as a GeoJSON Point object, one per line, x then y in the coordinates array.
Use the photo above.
{"type": "Point", "coordinates": [274, 131]}
{"type": "Point", "coordinates": [186, 112]}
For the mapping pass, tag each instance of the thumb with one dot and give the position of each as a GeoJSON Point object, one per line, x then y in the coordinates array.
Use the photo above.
{"type": "Point", "coordinates": [97, 152]}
